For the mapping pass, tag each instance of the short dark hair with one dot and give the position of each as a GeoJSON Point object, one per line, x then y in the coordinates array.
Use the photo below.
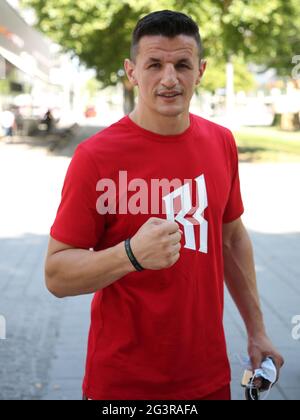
{"type": "Point", "coordinates": [166, 23]}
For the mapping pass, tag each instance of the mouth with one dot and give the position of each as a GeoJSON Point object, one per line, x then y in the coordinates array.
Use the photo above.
{"type": "Point", "coordinates": [169, 95]}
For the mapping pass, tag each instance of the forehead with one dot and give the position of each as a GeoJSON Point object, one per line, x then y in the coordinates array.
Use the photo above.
{"type": "Point", "coordinates": [159, 46]}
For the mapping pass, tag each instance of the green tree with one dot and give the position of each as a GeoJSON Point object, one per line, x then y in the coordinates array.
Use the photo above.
{"type": "Point", "coordinates": [262, 32]}
{"type": "Point", "coordinates": [99, 31]}
{"type": "Point", "coordinates": [215, 76]}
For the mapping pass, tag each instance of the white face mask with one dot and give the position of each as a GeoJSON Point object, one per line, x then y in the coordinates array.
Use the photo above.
{"type": "Point", "coordinates": [267, 371]}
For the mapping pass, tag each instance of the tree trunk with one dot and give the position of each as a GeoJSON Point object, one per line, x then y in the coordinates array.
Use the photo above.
{"type": "Point", "coordinates": [290, 122]}
{"type": "Point", "coordinates": [128, 98]}
{"type": "Point", "coordinates": [277, 120]}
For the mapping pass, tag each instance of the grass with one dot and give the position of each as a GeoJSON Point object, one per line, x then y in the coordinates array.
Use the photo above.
{"type": "Point", "coordinates": [267, 144]}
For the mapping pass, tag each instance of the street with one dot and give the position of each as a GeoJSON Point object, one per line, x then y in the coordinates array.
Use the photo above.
{"type": "Point", "coordinates": [43, 354]}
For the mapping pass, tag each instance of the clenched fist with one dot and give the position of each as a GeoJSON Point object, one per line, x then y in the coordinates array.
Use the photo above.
{"type": "Point", "coordinates": [156, 245]}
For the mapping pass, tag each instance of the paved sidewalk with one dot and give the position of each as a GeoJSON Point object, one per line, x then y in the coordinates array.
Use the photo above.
{"type": "Point", "coordinates": [272, 203]}
{"type": "Point", "coordinates": [43, 355]}
{"type": "Point", "coordinates": [278, 275]}
{"type": "Point", "coordinates": [67, 370]}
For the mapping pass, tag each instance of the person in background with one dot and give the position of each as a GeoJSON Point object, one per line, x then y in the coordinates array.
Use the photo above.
{"type": "Point", "coordinates": [48, 120]}
{"type": "Point", "coordinates": [8, 121]}
{"type": "Point", "coordinates": [19, 121]}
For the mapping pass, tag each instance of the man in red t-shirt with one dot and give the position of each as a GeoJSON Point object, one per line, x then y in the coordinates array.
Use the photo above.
{"type": "Point", "coordinates": [156, 196]}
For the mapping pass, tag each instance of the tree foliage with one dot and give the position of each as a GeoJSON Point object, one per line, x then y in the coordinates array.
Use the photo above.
{"type": "Point", "coordinates": [99, 31]}
{"type": "Point", "coordinates": [215, 76]}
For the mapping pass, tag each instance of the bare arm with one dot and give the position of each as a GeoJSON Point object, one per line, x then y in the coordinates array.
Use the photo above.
{"type": "Point", "coordinates": [240, 278]}
{"type": "Point", "coordinates": [71, 272]}
{"type": "Point", "coordinates": [240, 275]}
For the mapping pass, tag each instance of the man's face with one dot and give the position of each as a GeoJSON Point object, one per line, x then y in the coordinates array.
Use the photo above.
{"type": "Point", "coordinates": [166, 72]}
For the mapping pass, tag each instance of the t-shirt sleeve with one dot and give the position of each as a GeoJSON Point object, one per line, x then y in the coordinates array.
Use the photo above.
{"type": "Point", "coordinates": [77, 222]}
{"type": "Point", "coordinates": [234, 207]}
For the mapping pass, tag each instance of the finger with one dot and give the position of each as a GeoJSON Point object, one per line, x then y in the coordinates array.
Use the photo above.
{"type": "Point", "coordinates": [256, 359]}
{"type": "Point", "coordinates": [175, 238]}
{"type": "Point", "coordinates": [171, 227]}
{"type": "Point", "coordinates": [176, 257]}
{"type": "Point", "coordinates": [277, 369]}
{"type": "Point", "coordinates": [278, 362]}
{"type": "Point", "coordinates": [176, 249]}
{"type": "Point", "coordinates": [156, 221]}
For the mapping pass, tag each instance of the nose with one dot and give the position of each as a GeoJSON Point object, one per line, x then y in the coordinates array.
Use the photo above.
{"type": "Point", "coordinates": [169, 78]}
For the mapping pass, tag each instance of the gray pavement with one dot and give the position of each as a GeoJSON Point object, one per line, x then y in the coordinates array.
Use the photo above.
{"type": "Point", "coordinates": [43, 355]}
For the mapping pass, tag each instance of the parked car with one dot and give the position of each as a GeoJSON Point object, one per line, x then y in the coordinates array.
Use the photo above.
{"type": "Point", "coordinates": [90, 112]}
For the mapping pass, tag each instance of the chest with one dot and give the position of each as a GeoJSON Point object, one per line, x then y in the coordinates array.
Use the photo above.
{"type": "Point", "coordinates": [188, 184]}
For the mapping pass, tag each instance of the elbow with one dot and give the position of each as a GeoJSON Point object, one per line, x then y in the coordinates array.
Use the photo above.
{"type": "Point", "coordinates": [53, 289]}
{"type": "Point", "coordinates": [52, 284]}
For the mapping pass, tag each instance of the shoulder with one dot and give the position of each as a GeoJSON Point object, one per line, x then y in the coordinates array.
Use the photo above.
{"type": "Point", "coordinates": [218, 139]}
{"type": "Point", "coordinates": [210, 127]}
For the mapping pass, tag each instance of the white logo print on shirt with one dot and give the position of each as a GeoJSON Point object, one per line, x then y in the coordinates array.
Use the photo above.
{"type": "Point", "coordinates": [186, 205]}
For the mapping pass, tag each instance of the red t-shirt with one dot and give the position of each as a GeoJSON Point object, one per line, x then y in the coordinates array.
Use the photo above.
{"type": "Point", "coordinates": [155, 334]}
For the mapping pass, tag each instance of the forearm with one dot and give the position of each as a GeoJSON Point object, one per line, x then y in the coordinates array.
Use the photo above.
{"type": "Point", "coordinates": [74, 272]}
{"type": "Point", "coordinates": [240, 278]}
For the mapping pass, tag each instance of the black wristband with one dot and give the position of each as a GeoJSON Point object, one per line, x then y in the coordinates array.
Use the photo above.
{"type": "Point", "coordinates": [132, 258]}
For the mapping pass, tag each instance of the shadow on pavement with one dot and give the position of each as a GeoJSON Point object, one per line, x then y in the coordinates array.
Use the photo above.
{"type": "Point", "coordinates": [82, 133]}
{"type": "Point", "coordinates": [249, 154]}
{"type": "Point", "coordinates": [59, 143]}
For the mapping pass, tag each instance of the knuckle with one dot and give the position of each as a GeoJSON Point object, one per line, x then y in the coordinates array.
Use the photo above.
{"type": "Point", "coordinates": [161, 244]}
{"type": "Point", "coordinates": [176, 258]}
{"type": "Point", "coordinates": [161, 228]}
{"type": "Point", "coordinates": [169, 254]}
{"type": "Point", "coordinates": [166, 243]}
{"type": "Point", "coordinates": [158, 232]}
{"type": "Point", "coordinates": [170, 262]}
{"type": "Point", "coordinates": [171, 224]}
{"type": "Point", "coordinates": [155, 229]}
{"type": "Point", "coordinates": [175, 225]}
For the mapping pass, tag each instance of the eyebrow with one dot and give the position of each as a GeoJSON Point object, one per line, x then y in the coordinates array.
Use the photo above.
{"type": "Point", "coordinates": [153, 60]}
{"type": "Point", "coordinates": [184, 61]}
{"type": "Point", "coordinates": [158, 60]}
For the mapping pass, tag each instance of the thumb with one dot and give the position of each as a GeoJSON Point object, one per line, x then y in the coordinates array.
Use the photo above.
{"type": "Point", "coordinates": [256, 359]}
{"type": "Point", "coordinates": [156, 221]}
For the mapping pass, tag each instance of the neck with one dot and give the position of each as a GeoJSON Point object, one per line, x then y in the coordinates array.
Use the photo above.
{"type": "Point", "coordinates": [161, 124]}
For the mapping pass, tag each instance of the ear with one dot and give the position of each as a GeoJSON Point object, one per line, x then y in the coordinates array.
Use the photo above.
{"type": "Point", "coordinates": [202, 69]}
{"type": "Point", "coordinates": [129, 67]}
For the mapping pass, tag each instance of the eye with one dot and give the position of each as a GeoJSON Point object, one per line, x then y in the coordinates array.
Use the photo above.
{"type": "Point", "coordinates": [154, 66]}
{"type": "Point", "coordinates": [182, 66]}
